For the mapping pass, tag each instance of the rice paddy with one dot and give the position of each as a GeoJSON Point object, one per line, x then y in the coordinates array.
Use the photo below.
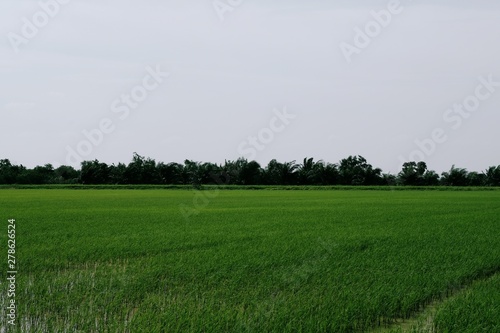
{"type": "Point", "coordinates": [251, 261]}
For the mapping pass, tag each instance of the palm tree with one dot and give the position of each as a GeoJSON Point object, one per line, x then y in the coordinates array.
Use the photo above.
{"type": "Point", "coordinates": [454, 177]}
{"type": "Point", "coordinates": [493, 176]}
{"type": "Point", "coordinates": [277, 173]}
{"type": "Point", "coordinates": [307, 171]}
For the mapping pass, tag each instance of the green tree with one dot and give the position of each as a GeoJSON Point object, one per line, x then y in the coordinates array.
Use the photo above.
{"type": "Point", "coordinates": [94, 172]}
{"type": "Point", "coordinates": [455, 177]}
{"type": "Point", "coordinates": [250, 173]}
{"type": "Point", "coordinates": [277, 173]}
{"type": "Point", "coordinates": [416, 174]}
{"type": "Point", "coordinates": [492, 176]}
{"type": "Point", "coordinates": [142, 170]}
{"type": "Point", "coordinates": [170, 173]}
{"type": "Point", "coordinates": [243, 172]}
{"type": "Point", "coordinates": [11, 174]}
{"type": "Point", "coordinates": [430, 178]}
{"type": "Point", "coordinates": [192, 173]}
{"type": "Point", "coordinates": [355, 170]}
{"type": "Point", "coordinates": [42, 175]}
{"type": "Point", "coordinates": [66, 174]}
{"type": "Point", "coordinates": [307, 172]}
{"type": "Point", "coordinates": [117, 173]}
{"type": "Point", "coordinates": [389, 179]}
{"type": "Point", "coordinates": [317, 173]}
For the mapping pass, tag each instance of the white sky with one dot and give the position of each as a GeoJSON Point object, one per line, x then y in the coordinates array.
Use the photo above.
{"type": "Point", "coordinates": [227, 76]}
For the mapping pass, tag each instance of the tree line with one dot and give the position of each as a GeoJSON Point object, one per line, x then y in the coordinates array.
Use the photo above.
{"type": "Point", "coordinates": [353, 170]}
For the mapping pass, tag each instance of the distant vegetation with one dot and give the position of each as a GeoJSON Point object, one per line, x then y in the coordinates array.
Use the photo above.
{"type": "Point", "coordinates": [354, 170]}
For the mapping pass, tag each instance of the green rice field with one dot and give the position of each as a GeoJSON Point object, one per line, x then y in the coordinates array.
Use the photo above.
{"type": "Point", "coordinates": [251, 260]}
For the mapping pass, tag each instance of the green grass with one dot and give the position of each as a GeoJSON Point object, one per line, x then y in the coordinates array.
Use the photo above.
{"type": "Point", "coordinates": [475, 310]}
{"type": "Point", "coordinates": [248, 187]}
{"type": "Point", "coordinates": [471, 310]}
{"type": "Point", "coordinates": [243, 261]}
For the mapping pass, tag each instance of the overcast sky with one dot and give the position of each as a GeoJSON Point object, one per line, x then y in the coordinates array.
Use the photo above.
{"type": "Point", "coordinates": [234, 65]}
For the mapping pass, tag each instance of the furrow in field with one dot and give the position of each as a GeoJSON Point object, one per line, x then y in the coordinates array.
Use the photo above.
{"type": "Point", "coordinates": [423, 321]}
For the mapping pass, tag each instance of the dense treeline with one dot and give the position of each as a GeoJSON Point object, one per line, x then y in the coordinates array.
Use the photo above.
{"type": "Point", "coordinates": [354, 170]}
